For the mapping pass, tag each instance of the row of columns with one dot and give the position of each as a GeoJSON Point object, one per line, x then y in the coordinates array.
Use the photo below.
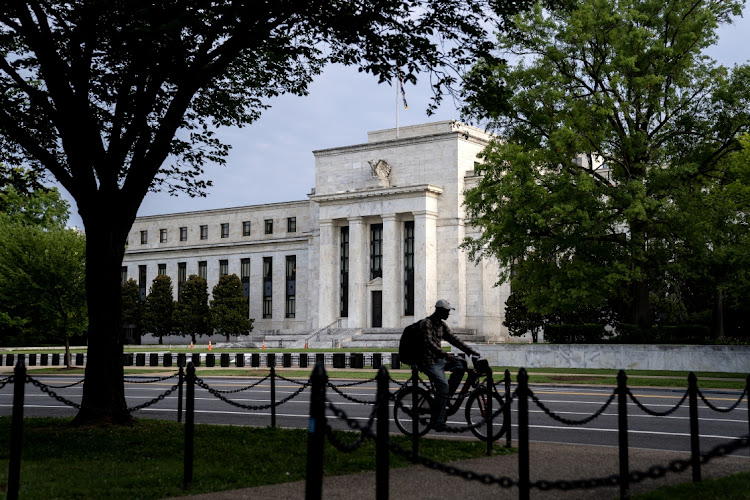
{"type": "Point", "coordinates": [392, 286]}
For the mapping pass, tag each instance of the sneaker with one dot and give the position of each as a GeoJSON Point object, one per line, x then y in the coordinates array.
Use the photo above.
{"type": "Point", "coordinates": [439, 427]}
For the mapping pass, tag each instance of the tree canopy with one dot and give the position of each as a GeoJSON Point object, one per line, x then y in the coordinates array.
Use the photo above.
{"type": "Point", "coordinates": [613, 115]}
{"type": "Point", "coordinates": [229, 307]}
{"type": "Point", "coordinates": [115, 99]}
{"type": "Point", "coordinates": [42, 284]}
{"type": "Point", "coordinates": [192, 315]}
{"type": "Point", "coordinates": [158, 318]}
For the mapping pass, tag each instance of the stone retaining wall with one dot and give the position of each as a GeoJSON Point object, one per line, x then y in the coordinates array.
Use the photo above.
{"type": "Point", "coordinates": [715, 358]}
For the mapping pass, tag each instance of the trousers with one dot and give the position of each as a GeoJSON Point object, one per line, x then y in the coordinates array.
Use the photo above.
{"type": "Point", "coordinates": [444, 388]}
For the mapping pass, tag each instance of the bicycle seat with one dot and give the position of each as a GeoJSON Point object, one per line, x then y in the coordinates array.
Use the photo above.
{"type": "Point", "coordinates": [481, 365]}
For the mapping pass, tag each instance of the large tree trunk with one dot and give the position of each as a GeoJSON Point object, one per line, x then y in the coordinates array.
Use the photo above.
{"type": "Point", "coordinates": [104, 387]}
{"type": "Point", "coordinates": [640, 307]}
{"type": "Point", "coordinates": [719, 314]}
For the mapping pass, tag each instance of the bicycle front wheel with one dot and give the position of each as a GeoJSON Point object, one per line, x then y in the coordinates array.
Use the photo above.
{"type": "Point", "coordinates": [403, 411]}
{"type": "Point", "coordinates": [476, 414]}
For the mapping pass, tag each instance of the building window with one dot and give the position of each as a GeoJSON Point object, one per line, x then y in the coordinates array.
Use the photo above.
{"type": "Point", "coordinates": [223, 268]}
{"type": "Point", "coordinates": [291, 279]}
{"type": "Point", "coordinates": [183, 234]}
{"type": "Point", "coordinates": [245, 276]}
{"type": "Point", "coordinates": [344, 269]}
{"type": "Point", "coordinates": [142, 281]}
{"type": "Point", "coordinates": [409, 268]}
{"type": "Point", "coordinates": [124, 275]}
{"type": "Point", "coordinates": [203, 269]}
{"type": "Point", "coordinates": [246, 228]}
{"type": "Point", "coordinates": [291, 224]}
{"type": "Point", "coordinates": [225, 230]}
{"type": "Point", "coordinates": [144, 237]}
{"type": "Point", "coordinates": [267, 286]}
{"type": "Point", "coordinates": [162, 270]}
{"type": "Point", "coordinates": [162, 235]}
{"type": "Point", "coordinates": [204, 232]}
{"type": "Point", "coordinates": [269, 226]}
{"type": "Point", "coordinates": [376, 251]}
{"type": "Point", "coordinates": [181, 277]}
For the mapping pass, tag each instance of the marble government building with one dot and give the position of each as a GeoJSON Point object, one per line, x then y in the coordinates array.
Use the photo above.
{"type": "Point", "coordinates": [373, 246]}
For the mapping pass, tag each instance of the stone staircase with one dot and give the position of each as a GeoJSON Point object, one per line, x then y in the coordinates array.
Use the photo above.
{"type": "Point", "coordinates": [345, 338]}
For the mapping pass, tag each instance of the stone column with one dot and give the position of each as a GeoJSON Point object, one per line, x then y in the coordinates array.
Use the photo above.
{"type": "Point", "coordinates": [359, 258]}
{"type": "Point", "coordinates": [425, 263]}
{"type": "Point", "coordinates": [327, 274]}
{"type": "Point", "coordinates": [393, 302]}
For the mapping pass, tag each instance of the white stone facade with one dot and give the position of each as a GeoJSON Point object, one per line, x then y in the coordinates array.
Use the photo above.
{"type": "Point", "coordinates": [403, 192]}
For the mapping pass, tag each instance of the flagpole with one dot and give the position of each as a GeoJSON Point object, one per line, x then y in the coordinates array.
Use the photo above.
{"type": "Point", "coordinates": [398, 82]}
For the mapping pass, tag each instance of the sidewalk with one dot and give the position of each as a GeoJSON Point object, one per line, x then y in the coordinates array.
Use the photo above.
{"type": "Point", "coordinates": [548, 461]}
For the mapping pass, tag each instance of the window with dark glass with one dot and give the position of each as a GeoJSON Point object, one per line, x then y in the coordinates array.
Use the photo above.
{"type": "Point", "coordinates": [142, 283]}
{"type": "Point", "coordinates": [162, 269]}
{"type": "Point", "coordinates": [225, 230]}
{"type": "Point", "coordinates": [269, 226]}
{"type": "Point", "coordinates": [144, 237]}
{"type": "Point", "coordinates": [267, 286]}
{"type": "Point", "coordinates": [245, 276]}
{"type": "Point", "coordinates": [181, 277]}
{"type": "Point", "coordinates": [203, 269]}
{"type": "Point", "coordinates": [204, 232]}
{"type": "Point", "coordinates": [223, 267]}
{"type": "Point", "coordinates": [344, 269]}
{"type": "Point", "coordinates": [376, 251]}
{"type": "Point", "coordinates": [124, 274]}
{"type": "Point", "coordinates": [409, 268]}
{"type": "Point", "coordinates": [162, 235]}
{"type": "Point", "coordinates": [183, 234]}
{"type": "Point", "coordinates": [291, 224]}
{"type": "Point", "coordinates": [291, 278]}
{"type": "Point", "coordinates": [246, 228]}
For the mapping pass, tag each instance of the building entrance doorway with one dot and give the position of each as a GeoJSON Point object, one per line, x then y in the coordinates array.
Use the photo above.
{"type": "Point", "coordinates": [377, 309]}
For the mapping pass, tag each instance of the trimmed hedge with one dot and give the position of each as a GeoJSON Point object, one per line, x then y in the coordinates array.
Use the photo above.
{"type": "Point", "coordinates": [678, 334]}
{"type": "Point", "coordinates": [574, 334]}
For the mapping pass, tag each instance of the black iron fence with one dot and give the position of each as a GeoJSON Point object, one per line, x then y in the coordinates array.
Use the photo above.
{"type": "Point", "coordinates": [377, 427]}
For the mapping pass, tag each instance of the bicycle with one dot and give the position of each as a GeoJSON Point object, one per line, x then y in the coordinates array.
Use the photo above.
{"type": "Point", "coordinates": [475, 411]}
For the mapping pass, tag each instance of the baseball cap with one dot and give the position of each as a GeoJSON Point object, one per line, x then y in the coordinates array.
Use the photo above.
{"type": "Point", "coordinates": [444, 304]}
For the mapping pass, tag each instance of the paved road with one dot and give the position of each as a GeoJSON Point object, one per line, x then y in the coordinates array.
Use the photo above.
{"type": "Point", "coordinates": [571, 402]}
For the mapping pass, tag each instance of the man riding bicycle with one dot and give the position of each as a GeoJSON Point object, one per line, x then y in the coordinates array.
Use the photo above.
{"type": "Point", "coordinates": [434, 361]}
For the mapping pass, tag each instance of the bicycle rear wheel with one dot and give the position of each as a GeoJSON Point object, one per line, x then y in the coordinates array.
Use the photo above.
{"type": "Point", "coordinates": [476, 414]}
{"type": "Point", "coordinates": [403, 411]}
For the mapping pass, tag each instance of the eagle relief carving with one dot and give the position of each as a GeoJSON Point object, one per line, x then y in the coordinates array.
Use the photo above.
{"type": "Point", "coordinates": [380, 169]}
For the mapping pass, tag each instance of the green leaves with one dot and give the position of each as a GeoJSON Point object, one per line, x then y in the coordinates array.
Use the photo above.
{"type": "Point", "coordinates": [614, 116]}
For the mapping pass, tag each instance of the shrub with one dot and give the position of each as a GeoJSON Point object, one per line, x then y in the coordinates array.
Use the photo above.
{"type": "Point", "coordinates": [574, 334]}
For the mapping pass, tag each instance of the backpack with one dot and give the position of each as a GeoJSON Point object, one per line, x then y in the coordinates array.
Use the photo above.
{"type": "Point", "coordinates": [411, 345]}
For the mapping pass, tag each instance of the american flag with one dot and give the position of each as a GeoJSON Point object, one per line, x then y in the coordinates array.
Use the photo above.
{"type": "Point", "coordinates": [403, 94]}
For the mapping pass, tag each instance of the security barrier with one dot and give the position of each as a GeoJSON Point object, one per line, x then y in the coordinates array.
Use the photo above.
{"type": "Point", "coordinates": [377, 426]}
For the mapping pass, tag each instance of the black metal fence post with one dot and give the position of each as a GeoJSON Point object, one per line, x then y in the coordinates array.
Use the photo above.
{"type": "Point", "coordinates": [523, 434]}
{"type": "Point", "coordinates": [273, 397]}
{"type": "Point", "coordinates": [490, 409]}
{"type": "Point", "coordinates": [382, 454]}
{"type": "Point", "coordinates": [415, 411]}
{"type": "Point", "coordinates": [747, 396]}
{"type": "Point", "coordinates": [506, 416]}
{"type": "Point", "coordinates": [180, 380]}
{"type": "Point", "coordinates": [622, 420]}
{"type": "Point", "coordinates": [695, 446]}
{"type": "Point", "coordinates": [16, 434]}
{"type": "Point", "coordinates": [187, 476]}
{"type": "Point", "coordinates": [316, 433]}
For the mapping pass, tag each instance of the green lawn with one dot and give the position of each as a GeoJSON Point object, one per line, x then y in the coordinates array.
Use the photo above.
{"type": "Point", "coordinates": [146, 460]}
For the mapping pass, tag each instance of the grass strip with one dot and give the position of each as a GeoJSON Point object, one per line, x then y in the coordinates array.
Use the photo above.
{"type": "Point", "coordinates": [145, 460]}
{"type": "Point", "coordinates": [734, 487]}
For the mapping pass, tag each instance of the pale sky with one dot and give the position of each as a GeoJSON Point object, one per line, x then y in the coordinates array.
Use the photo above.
{"type": "Point", "coordinates": [272, 161]}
